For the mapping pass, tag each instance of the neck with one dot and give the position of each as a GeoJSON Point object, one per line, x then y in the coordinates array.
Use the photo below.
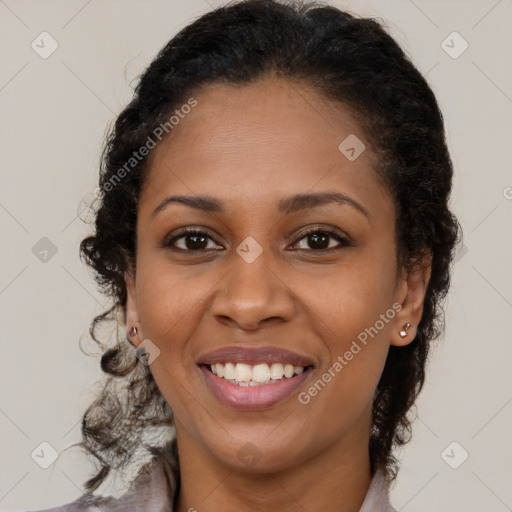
{"type": "Point", "coordinates": [337, 478]}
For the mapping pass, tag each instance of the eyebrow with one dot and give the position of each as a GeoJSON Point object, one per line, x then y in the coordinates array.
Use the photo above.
{"type": "Point", "coordinates": [286, 206]}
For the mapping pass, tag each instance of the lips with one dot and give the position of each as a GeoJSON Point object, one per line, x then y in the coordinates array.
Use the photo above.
{"type": "Point", "coordinates": [251, 395]}
{"type": "Point", "coordinates": [254, 356]}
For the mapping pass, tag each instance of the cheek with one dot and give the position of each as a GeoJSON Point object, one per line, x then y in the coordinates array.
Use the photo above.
{"type": "Point", "coordinates": [359, 318]}
{"type": "Point", "coordinates": [354, 319]}
{"type": "Point", "coordinates": [170, 302]}
{"type": "Point", "coordinates": [169, 310]}
{"type": "Point", "coordinates": [352, 299]}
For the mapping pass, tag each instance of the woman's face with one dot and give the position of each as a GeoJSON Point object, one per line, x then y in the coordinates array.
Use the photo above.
{"type": "Point", "coordinates": [254, 290]}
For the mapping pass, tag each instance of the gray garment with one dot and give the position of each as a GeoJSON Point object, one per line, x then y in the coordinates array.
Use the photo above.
{"type": "Point", "coordinates": [154, 488]}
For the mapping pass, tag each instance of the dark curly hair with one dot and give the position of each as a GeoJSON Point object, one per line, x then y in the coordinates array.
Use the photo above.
{"type": "Point", "coordinates": [346, 59]}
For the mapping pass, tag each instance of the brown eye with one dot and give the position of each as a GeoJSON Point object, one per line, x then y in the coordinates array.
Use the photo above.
{"type": "Point", "coordinates": [320, 240]}
{"type": "Point", "coordinates": [317, 240]}
{"type": "Point", "coordinates": [193, 240]}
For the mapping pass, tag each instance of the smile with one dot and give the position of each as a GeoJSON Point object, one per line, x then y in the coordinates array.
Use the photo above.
{"type": "Point", "coordinates": [254, 378]}
{"type": "Point", "coordinates": [241, 374]}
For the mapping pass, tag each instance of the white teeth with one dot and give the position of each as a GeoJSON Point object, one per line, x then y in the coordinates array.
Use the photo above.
{"type": "Point", "coordinates": [276, 371]}
{"type": "Point", "coordinates": [261, 373]}
{"type": "Point", "coordinates": [247, 375]}
{"type": "Point", "coordinates": [288, 370]}
{"type": "Point", "coordinates": [229, 371]}
{"type": "Point", "coordinates": [220, 369]}
{"type": "Point", "coordinates": [242, 372]}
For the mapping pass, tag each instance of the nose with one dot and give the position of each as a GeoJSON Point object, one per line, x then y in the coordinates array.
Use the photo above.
{"type": "Point", "coordinates": [252, 294]}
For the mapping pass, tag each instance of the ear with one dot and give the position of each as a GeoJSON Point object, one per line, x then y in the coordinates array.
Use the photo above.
{"type": "Point", "coordinates": [410, 294]}
{"type": "Point", "coordinates": [132, 313]}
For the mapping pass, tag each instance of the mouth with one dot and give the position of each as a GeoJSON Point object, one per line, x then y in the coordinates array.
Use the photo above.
{"type": "Point", "coordinates": [241, 374]}
{"type": "Point", "coordinates": [253, 379]}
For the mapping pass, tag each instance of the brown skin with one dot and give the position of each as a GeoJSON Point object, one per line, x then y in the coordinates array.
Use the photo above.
{"type": "Point", "coordinates": [250, 146]}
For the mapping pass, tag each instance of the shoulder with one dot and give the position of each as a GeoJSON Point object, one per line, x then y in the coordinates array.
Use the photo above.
{"type": "Point", "coordinates": [153, 489]}
{"type": "Point", "coordinates": [82, 504]}
{"type": "Point", "coordinates": [377, 496]}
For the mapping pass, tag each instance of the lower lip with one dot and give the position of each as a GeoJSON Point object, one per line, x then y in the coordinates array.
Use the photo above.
{"type": "Point", "coordinates": [253, 397]}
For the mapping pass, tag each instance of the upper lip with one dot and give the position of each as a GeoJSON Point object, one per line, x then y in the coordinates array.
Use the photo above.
{"type": "Point", "coordinates": [253, 356]}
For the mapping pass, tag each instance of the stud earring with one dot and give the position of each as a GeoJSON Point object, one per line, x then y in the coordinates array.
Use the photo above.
{"type": "Point", "coordinates": [403, 332]}
{"type": "Point", "coordinates": [131, 334]}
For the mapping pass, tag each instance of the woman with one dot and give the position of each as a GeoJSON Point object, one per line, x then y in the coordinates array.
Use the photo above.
{"type": "Point", "coordinates": [274, 230]}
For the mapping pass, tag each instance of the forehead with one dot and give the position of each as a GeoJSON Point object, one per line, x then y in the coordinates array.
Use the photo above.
{"type": "Point", "coordinates": [261, 140]}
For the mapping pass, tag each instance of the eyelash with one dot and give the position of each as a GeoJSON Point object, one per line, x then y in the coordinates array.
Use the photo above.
{"type": "Point", "coordinates": [344, 242]}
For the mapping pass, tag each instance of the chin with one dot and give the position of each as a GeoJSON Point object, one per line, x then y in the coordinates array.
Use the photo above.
{"type": "Point", "coordinates": [258, 455]}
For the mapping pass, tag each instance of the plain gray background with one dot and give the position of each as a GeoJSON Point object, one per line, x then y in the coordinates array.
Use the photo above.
{"type": "Point", "coordinates": [54, 113]}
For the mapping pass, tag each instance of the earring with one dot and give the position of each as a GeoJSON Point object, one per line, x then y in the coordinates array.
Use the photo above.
{"type": "Point", "coordinates": [131, 334]}
{"type": "Point", "coordinates": [403, 332]}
